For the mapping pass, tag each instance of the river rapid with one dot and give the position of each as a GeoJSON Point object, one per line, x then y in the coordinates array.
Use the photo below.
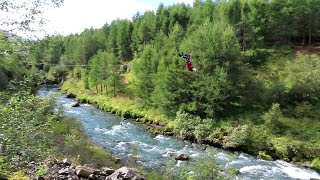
{"type": "Point", "coordinates": [153, 152]}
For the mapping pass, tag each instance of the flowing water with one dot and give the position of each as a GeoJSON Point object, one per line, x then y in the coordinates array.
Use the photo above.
{"type": "Point", "coordinates": [123, 138]}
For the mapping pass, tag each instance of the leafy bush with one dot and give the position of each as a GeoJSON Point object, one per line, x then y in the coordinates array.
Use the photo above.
{"type": "Point", "coordinates": [273, 119]}
{"type": "Point", "coordinates": [303, 79]}
{"type": "Point", "coordinates": [303, 110]}
{"type": "Point", "coordinates": [25, 120]}
{"type": "Point", "coordinates": [19, 175]}
{"type": "Point", "coordinates": [199, 168]}
{"type": "Point", "coordinates": [263, 155]}
{"type": "Point", "coordinates": [237, 138]}
{"type": "Point", "coordinates": [56, 72]}
{"type": "Point", "coordinates": [41, 170]}
{"type": "Point", "coordinates": [184, 125]}
{"type": "Point", "coordinates": [316, 163]}
{"type": "Point", "coordinates": [203, 130]}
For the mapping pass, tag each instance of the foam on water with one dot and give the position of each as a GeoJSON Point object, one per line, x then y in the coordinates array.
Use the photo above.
{"type": "Point", "coordinates": [296, 172]}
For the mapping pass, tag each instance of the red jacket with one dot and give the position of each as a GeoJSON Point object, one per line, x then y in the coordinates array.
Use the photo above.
{"type": "Point", "coordinates": [189, 66]}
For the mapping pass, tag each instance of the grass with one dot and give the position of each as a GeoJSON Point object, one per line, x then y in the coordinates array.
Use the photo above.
{"type": "Point", "coordinates": [69, 138]}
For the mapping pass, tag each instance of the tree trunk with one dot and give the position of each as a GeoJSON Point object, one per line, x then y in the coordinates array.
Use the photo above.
{"type": "Point", "coordinates": [114, 88]}
{"type": "Point", "coordinates": [310, 38]}
{"type": "Point", "coordinates": [244, 39]}
{"type": "Point", "coordinates": [106, 89]}
{"type": "Point", "coordinates": [303, 38]}
{"type": "Point", "coordinates": [101, 88]}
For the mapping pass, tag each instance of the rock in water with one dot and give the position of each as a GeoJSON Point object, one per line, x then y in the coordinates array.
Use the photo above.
{"type": "Point", "coordinates": [70, 95]}
{"type": "Point", "coordinates": [76, 104]}
{"type": "Point", "coordinates": [182, 157]}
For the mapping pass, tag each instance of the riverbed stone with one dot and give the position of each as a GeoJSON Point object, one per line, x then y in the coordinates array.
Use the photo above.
{"type": "Point", "coordinates": [66, 171]}
{"type": "Point", "coordinates": [122, 173]}
{"type": "Point", "coordinates": [84, 171]}
{"type": "Point", "coordinates": [67, 161]}
{"type": "Point", "coordinates": [75, 104]}
{"type": "Point", "coordinates": [71, 95]}
{"type": "Point", "coordinates": [105, 171]}
{"type": "Point", "coordinates": [182, 157]}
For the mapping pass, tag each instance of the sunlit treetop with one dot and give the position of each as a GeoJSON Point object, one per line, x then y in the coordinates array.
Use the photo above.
{"type": "Point", "coordinates": [24, 17]}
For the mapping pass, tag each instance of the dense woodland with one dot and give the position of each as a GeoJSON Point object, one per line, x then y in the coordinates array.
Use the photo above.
{"type": "Point", "coordinates": [252, 91]}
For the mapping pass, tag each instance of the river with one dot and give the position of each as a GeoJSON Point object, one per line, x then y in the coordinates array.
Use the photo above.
{"type": "Point", "coordinates": [120, 138]}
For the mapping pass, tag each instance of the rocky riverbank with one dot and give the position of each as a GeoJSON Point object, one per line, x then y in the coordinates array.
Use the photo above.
{"type": "Point", "coordinates": [65, 170]}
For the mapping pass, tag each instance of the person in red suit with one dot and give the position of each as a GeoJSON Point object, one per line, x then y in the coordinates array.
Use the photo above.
{"type": "Point", "coordinates": [187, 58]}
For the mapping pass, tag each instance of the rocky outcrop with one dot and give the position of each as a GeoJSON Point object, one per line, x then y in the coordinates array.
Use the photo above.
{"type": "Point", "coordinates": [64, 170]}
{"type": "Point", "coordinates": [125, 173]}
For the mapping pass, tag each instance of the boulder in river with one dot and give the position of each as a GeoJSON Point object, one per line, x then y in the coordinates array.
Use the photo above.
{"type": "Point", "coordinates": [71, 95]}
{"type": "Point", "coordinates": [76, 104]}
{"type": "Point", "coordinates": [182, 157]}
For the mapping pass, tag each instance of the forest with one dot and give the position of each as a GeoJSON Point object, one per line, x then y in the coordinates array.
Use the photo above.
{"type": "Point", "coordinates": [256, 88]}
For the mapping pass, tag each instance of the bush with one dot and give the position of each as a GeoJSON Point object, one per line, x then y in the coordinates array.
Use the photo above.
{"type": "Point", "coordinates": [18, 176]}
{"type": "Point", "coordinates": [237, 138]}
{"type": "Point", "coordinates": [303, 79]}
{"type": "Point", "coordinates": [203, 130]}
{"type": "Point", "coordinates": [56, 72]}
{"type": "Point", "coordinates": [263, 155]}
{"type": "Point", "coordinates": [273, 119]}
{"type": "Point", "coordinates": [184, 125]}
{"type": "Point", "coordinates": [316, 163]}
{"type": "Point", "coordinates": [200, 168]}
{"type": "Point", "coordinates": [25, 120]}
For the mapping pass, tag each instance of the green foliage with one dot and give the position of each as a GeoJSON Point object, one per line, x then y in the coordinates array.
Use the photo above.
{"type": "Point", "coordinates": [302, 82]}
{"type": "Point", "coordinates": [184, 125]}
{"type": "Point", "coordinates": [238, 137]}
{"type": "Point", "coordinates": [20, 175]}
{"type": "Point", "coordinates": [85, 78]}
{"type": "Point", "coordinates": [316, 163]}
{"type": "Point", "coordinates": [273, 119]}
{"type": "Point", "coordinates": [143, 69]}
{"type": "Point", "coordinates": [56, 72]}
{"type": "Point", "coordinates": [41, 170]}
{"type": "Point", "coordinates": [25, 128]}
{"type": "Point", "coordinates": [196, 169]}
{"type": "Point", "coordinates": [69, 138]}
{"type": "Point", "coordinates": [263, 155]}
{"type": "Point", "coordinates": [4, 166]}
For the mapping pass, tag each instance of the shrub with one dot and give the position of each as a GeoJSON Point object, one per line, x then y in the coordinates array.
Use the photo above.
{"type": "Point", "coordinates": [237, 138]}
{"type": "Point", "coordinates": [184, 125]}
{"type": "Point", "coordinates": [18, 176]}
{"type": "Point", "coordinates": [273, 119]}
{"type": "Point", "coordinates": [263, 155]}
{"type": "Point", "coordinates": [303, 79]}
{"type": "Point", "coordinates": [303, 110]}
{"type": "Point", "coordinates": [41, 170]}
{"type": "Point", "coordinates": [202, 130]}
{"type": "Point", "coordinates": [316, 163]}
